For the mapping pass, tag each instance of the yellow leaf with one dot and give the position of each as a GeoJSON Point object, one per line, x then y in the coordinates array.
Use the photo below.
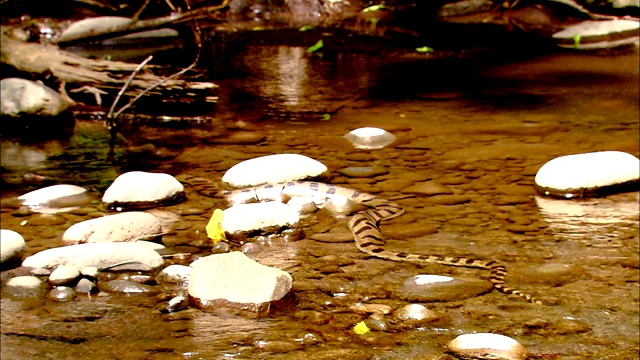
{"type": "Point", "coordinates": [214, 227]}
{"type": "Point", "coordinates": [361, 328]}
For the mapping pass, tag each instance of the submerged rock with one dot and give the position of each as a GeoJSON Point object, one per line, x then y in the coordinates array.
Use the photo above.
{"type": "Point", "coordinates": [236, 281]}
{"type": "Point", "coordinates": [129, 226]}
{"type": "Point", "coordinates": [12, 245]}
{"type": "Point", "coordinates": [139, 189]}
{"type": "Point", "coordinates": [589, 174]}
{"type": "Point", "coordinates": [487, 346]}
{"type": "Point", "coordinates": [24, 288]}
{"type": "Point", "coordinates": [273, 169]}
{"type": "Point", "coordinates": [430, 288]}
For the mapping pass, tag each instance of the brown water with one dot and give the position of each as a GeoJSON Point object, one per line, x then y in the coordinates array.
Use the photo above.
{"type": "Point", "coordinates": [479, 131]}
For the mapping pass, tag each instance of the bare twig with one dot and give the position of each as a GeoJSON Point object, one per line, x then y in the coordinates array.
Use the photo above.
{"type": "Point", "coordinates": [136, 16]}
{"type": "Point", "coordinates": [124, 88]}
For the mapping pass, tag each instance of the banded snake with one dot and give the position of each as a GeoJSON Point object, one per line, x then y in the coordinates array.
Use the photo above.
{"type": "Point", "coordinates": [365, 226]}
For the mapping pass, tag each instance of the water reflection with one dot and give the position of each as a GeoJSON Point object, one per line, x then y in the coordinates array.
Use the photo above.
{"type": "Point", "coordinates": [15, 155]}
{"type": "Point", "coordinates": [590, 220]}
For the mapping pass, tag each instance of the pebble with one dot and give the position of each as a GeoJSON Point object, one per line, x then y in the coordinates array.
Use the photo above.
{"type": "Point", "coordinates": [370, 138]}
{"type": "Point", "coordinates": [86, 286]}
{"type": "Point", "coordinates": [56, 198]}
{"type": "Point", "coordinates": [363, 171]}
{"type": "Point", "coordinates": [415, 312]}
{"type": "Point", "coordinates": [62, 294]}
{"type": "Point", "coordinates": [487, 346]}
{"type": "Point", "coordinates": [63, 274]}
{"type": "Point", "coordinates": [128, 287]}
{"type": "Point", "coordinates": [428, 188]}
{"type": "Point", "coordinates": [46, 220]}
{"type": "Point", "coordinates": [175, 274]}
{"type": "Point", "coordinates": [12, 245]}
{"type": "Point", "coordinates": [447, 199]}
{"type": "Point", "coordinates": [24, 288]}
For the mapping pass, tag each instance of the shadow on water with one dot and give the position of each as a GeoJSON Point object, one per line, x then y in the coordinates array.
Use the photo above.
{"type": "Point", "coordinates": [478, 128]}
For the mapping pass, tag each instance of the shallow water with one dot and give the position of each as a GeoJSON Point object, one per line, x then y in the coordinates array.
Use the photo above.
{"type": "Point", "coordinates": [479, 131]}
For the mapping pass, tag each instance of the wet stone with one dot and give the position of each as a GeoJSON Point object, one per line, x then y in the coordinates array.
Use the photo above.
{"type": "Point", "coordinates": [12, 245]}
{"type": "Point", "coordinates": [447, 199]}
{"type": "Point", "coordinates": [433, 288]}
{"type": "Point", "coordinates": [570, 326]}
{"type": "Point", "coordinates": [86, 286]}
{"type": "Point", "coordinates": [416, 312]}
{"type": "Point", "coordinates": [333, 237]}
{"type": "Point", "coordinates": [410, 230]}
{"type": "Point", "coordinates": [127, 287]}
{"type": "Point", "coordinates": [62, 294]}
{"type": "Point", "coordinates": [363, 171]}
{"type": "Point", "coordinates": [63, 274]}
{"type": "Point", "coordinates": [428, 188]}
{"type": "Point", "coordinates": [24, 288]}
{"type": "Point", "coordinates": [278, 346]}
{"type": "Point", "coordinates": [46, 220]}
{"type": "Point", "coordinates": [487, 346]}
{"type": "Point", "coordinates": [553, 274]}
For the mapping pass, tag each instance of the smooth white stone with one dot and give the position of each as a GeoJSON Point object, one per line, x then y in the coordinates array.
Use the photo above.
{"type": "Point", "coordinates": [487, 346]}
{"type": "Point", "coordinates": [430, 279]}
{"type": "Point", "coordinates": [12, 245]}
{"type": "Point", "coordinates": [98, 23]}
{"type": "Point", "coordinates": [247, 217]}
{"type": "Point", "coordinates": [63, 274]}
{"type": "Point", "coordinates": [237, 278]}
{"type": "Point", "coordinates": [588, 170]}
{"type": "Point", "coordinates": [119, 255]}
{"type": "Point", "coordinates": [141, 186]}
{"type": "Point", "coordinates": [273, 169]}
{"type": "Point", "coordinates": [414, 312]}
{"type": "Point", "coordinates": [177, 274]}
{"type": "Point", "coordinates": [55, 198]}
{"type": "Point", "coordinates": [26, 282]}
{"type": "Point", "coordinates": [370, 138]}
{"type": "Point", "coordinates": [128, 226]}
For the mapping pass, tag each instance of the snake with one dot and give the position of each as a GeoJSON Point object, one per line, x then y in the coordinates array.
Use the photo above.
{"type": "Point", "coordinates": [365, 226]}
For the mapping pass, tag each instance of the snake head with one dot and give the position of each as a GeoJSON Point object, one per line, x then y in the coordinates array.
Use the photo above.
{"type": "Point", "coordinates": [214, 227]}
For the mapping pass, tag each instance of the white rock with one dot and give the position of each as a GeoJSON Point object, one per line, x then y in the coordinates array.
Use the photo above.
{"type": "Point", "coordinates": [63, 274]}
{"type": "Point", "coordinates": [140, 186]}
{"type": "Point", "coordinates": [151, 245]}
{"type": "Point", "coordinates": [273, 169]}
{"type": "Point", "coordinates": [572, 174]}
{"type": "Point", "coordinates": [128, 226]}
{"type": "Point", "coordinates": [20, 96]}
{"type": "Point", "coordinates": [415, 312]}
{"type": "Point", "coordinates": [55, 198]}
{"type": "Point", "coordinates": [119, 256]}
{"type": "Point", "coordinates": [12, 245]}
{"type": "Point", "coordinates": [370, 138]}
{"type": "Point", "coordinates": [487, 346]}
{"type": "Point", "coordinates": [255, 216]}
{"type": "Point", "coordinates": [593, 34]}
{"type": "Point", "coordinates": [177, 274]}
{"type": "Point", "coordinates": [236, 278]}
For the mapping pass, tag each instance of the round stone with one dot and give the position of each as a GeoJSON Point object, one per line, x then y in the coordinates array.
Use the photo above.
{"type": "Point", "coordinates": [62, 294]}
{"type": "Point", "coordinates": [370, 138]}
{"type": "Point", "coordinates": [589, 174]}
{"type": "Point", "coordinates": [487, 346]}
{"type": "Point", "coordinates": [273, 169]}
{"type": "Point", "coordinates": [415, 312]}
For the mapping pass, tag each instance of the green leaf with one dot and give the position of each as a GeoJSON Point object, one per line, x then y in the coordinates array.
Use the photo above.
{"type": "Point", "coordinates": [374, 8]}
{"type": "Point", "coordinates": [424, 49]}
{"type": "Point", "coordinates": [306, 28]}
{"type": "Point", "coordinates": [313, 48]}
{"type": "Point", "coordinates": [326, 117]}
{"type": "Point", "coordinates": [576, 40]}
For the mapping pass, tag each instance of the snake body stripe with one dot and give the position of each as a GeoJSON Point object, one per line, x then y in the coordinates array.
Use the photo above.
{"type": "Point", "coordinates": [364, 226]}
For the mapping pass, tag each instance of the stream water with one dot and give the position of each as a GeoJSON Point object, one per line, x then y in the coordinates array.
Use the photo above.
{"type": "Point", "coordinates": [477, 131]}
